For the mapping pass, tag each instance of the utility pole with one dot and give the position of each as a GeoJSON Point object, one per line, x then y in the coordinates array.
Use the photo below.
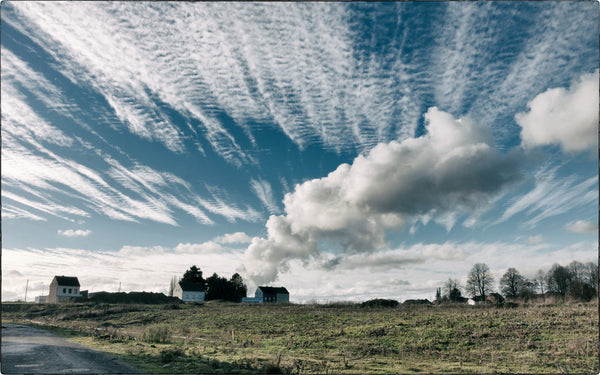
{"type": "Point", "coordinates": [26, 287]}
{"type": "Point", "coordinates": [119, 287]}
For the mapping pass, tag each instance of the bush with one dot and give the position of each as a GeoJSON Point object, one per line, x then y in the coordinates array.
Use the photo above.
{"type": "Point", "coordinates": [158, 333]}
{"type": "Point", "coordinates": [379, 302]}
{"type": "Point", "coordinates": [169, 355]}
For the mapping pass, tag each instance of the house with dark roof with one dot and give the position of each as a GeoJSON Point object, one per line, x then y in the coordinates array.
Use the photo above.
{"type": "Point", "coordinates": [272, 294]}
{"type": "Point", "coordinates": [189, 292]}
{"type": "Point", "coordinates": [63, 288]}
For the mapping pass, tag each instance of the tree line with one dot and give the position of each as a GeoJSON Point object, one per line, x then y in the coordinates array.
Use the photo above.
{"type": "Point", "coordinates": [577, 280]}
{"type": "Point", "coordinates": [216, 287]}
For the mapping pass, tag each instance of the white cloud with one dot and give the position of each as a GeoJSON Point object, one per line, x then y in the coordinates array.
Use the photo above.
{"type": "Point", "coordinates": [552, 195]}
{"type": "Point", "coordinates": [451, 170]}
{"type": "Point", "coordinates": [201, 248]}
{"type": "Point", "coordinates": [568, 118]}
{"type": "Point", "coordinates": [581, 226]}
{"type": "Point", "coordinates": [534, 240]}
{"type": "Point", "coordinates": [74, 232]}
{"type": "Point", "coordinates": [237, 237]}
{"type": "Point", "coordinates": [263, 191]}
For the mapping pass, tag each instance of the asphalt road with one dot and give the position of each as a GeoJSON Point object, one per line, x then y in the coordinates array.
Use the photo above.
{"type": "Point", "coordinates": [28, 350]}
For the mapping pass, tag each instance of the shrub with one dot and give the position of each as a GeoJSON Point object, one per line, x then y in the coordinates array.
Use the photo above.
{"type": "Point", "coordinates": [379, 302]}
{"type": "Point", "coordinates": [159, 333]}
{"type": "Point", "coordinates": [169, 355]}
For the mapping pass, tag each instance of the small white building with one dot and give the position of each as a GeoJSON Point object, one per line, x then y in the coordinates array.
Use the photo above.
{"type": "Point", "coordinates": [189, 292]}
{"type": "Point", "coordinates": [272, 294]}
{"type": "Point", "coordinates": [63, 288]}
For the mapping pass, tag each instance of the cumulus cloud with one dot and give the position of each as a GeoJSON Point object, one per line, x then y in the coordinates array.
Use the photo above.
{"type": "Point", "coordinates": [567, 117]}
{"type": "Point", "coordinates": [451, 170]}
{"type": "Point", "coordinates": [74, 232]}
{"type": "Point", "coordinates": [581, 226]}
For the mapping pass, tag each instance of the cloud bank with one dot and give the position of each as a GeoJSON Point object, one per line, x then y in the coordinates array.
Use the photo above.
{"type": "Point", "coordinates": [566, 117]}
{"type": "Point", "coordinates": [451, 170]}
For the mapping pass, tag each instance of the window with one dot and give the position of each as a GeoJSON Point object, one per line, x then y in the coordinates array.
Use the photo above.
{"type": "Point", "coordinates": [70, 290]}
{"type": "Point", "coordinates": [64, 290]}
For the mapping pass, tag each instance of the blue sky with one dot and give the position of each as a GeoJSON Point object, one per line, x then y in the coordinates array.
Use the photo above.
{"type": "Point", "coordinates": [343, 150]}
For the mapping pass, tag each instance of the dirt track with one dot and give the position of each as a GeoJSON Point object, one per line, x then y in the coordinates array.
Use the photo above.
{"type": "Point", "coordinates": [28, 350]}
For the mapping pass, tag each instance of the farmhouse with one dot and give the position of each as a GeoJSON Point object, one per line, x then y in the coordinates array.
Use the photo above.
{"type": "Point", "coordinates": [63, 288]}
{"type": "Point", "coordinates": [189, 292]}
{"type": "Point", "coordinates": [272, 294]}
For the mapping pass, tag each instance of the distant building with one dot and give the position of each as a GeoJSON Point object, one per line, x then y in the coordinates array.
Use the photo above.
{"type": "Point", "coordinates": [63, 288]}
{"type": "Point", "coordinates": [272, 294]}
{"type": "Point", "coordinates": [189, 292]}
{"type": "Point", "coordinates": [40, 299]}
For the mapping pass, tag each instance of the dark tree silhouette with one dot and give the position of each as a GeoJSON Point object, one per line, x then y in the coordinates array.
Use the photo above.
{"type": "Point", "coordinates": [452, 290]}
{"type": "Point", "coordinates": [193, 275]}
{"type": "Point", "coordinates": [559, 279]}
{"type": "Point", "coordinates": [480, 280]}
{"type": "Point", "coordinates": [512, 283]}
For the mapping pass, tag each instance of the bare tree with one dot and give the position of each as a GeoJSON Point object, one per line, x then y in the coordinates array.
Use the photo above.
{"type": "Point", "coordinates": [540, 281]}
{"type": "Point", "coordinates": [512, 283]}
{"type": "Point", "coordinates": [559, 279]}
{"type": "Point", "coordinates": [452, 290]}
{"type": "Point", "coordinates": [480, 280]}
{"type": "Point", "coordinates": [172, 285]}
{"type": "Point", "coordinates": [591, 275]}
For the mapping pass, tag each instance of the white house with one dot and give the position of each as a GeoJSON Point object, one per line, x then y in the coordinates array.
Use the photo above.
{"type": "Point", "coordinates": [272, 294]}
{"type": "Point", "coordinates": [189, 292]}
{"type": "Point", "coordinates": [63, 288]}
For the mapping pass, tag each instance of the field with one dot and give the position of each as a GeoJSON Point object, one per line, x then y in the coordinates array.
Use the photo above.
{"type": "Point", "coordinates": [218, 337]}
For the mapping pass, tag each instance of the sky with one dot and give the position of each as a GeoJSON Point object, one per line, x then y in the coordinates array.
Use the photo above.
{"type": "Point", "coordinates": [346, 151]}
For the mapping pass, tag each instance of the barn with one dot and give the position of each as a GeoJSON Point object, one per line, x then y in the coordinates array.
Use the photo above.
{"type": "Point", "coordinates": [272, 294]}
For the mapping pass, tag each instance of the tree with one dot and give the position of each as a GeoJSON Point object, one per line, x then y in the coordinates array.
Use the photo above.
{"type": "Point", "coordinates": [591, 274]}
{"type": "Point", "coordinates": [540, 281]}
{"type": "Point", "coordinates": [452, 290]}
{"type": "Point", "coordinates": [512, 283]}
{"type": "Point", "coordinates": [239, 287]}
{"type": "Point", "coordinates": [172, 285]}
{"type": "Point", "coordinates": [193, 275]}
{"type": "Point", "coordinates": [480, 280]}
{"type": "Point", "coordinates": [559, 279]}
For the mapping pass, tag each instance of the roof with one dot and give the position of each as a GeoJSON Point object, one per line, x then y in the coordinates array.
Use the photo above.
{"type": "Point", "coordinates": [273, 290]}
{"type": "Point", "coordinates": [67, 280]}
{"type": "Point", "coordinates": [191, 287]}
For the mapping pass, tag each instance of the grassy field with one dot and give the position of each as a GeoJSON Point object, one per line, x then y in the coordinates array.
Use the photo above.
{"type": "Point", "coordinates": [231, 338]}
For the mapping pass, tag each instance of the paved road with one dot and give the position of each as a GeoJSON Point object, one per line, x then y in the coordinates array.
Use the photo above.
{"type": "Point", "coordinates": [28, 350]}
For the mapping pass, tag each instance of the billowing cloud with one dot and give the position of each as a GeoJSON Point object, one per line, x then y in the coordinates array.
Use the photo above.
{"type": "Point", "coordinates": [581, 226]}
{"type": "Point", "coordinates": [451, 170]}
{"type": "Point", "coordinates": [74, 232]}
{"type": "Point", "coordinates": [568, 118]}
